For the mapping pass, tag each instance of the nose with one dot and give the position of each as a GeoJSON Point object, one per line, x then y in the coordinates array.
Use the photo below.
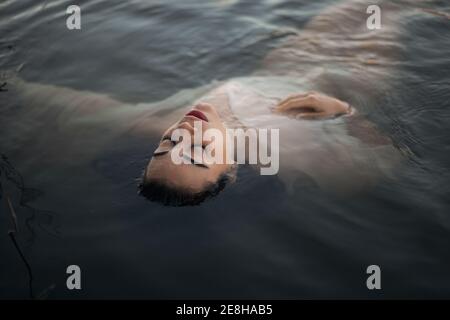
{"type": "Point", "coordinates": [187, 126]}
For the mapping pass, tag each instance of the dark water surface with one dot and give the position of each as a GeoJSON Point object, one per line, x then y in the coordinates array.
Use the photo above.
{"type": "Point", "coordinates": [253, 241]}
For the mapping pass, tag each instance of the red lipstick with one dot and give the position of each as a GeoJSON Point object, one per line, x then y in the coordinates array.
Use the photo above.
{"type": "Point", "coordinates": [197, 114]}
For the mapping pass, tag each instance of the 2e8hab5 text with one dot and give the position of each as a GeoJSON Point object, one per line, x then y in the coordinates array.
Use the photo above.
{"type": "Point", "coordinates": [225, 309]}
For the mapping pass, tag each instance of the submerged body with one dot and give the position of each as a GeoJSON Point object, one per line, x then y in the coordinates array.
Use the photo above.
{"type": "Point", "coordinates": [331, 152]}
{"type": "Point", "coordinates": [335, 54]}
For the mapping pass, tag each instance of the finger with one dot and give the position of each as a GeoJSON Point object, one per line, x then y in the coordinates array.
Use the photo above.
{"type": "Point", "coordinates": [292, 103]}
{"type": "Point", "coordinates": [307, 101]}
{"type": "Point", "coordinates": [294, 96]}
{"type": "Point", "coordinates": [311, 116]}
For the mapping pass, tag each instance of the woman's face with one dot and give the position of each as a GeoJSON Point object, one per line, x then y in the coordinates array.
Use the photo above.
{"type": "Point", "coordinates": [192, 176]}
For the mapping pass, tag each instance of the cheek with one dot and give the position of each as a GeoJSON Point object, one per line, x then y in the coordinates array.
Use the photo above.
{"type": "Point", "coordinates": [168, 132]}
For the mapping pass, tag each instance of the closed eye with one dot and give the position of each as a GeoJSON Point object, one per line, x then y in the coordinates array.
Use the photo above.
{"type": "Point", "coordinates": [169, 139]}
{"type": "Point", "coordinates": [174, 143]}
{"type": "Point", "coordinates": [159, 152]}
{"type": "Point", "coordinates": [193, 162]}
{"type": "Point", "coordinates": [164, 146]}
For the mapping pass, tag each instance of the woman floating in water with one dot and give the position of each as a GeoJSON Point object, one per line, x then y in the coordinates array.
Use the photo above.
{"type": "Point", "coordinates": [315, 89]}
{"type": "Point", "coordinates": [336, 54]}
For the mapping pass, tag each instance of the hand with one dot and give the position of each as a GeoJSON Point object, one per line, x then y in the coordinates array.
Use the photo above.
{"type": "Point", "coordinates": [312, 105]}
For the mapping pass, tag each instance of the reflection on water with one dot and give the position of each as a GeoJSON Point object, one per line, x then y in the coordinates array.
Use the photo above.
{"type": "Point", "coordinates": [257, 239]}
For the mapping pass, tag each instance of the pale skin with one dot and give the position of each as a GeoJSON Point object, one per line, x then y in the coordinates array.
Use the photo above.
{"type": "Point", "coordinates": [347, 17]}
{"type": "Point", "coordinates": [311, 106]}
{"type": "Point", "coordinates": [301, 105]}
{"type": "Point", "coordinates": [161, 166]}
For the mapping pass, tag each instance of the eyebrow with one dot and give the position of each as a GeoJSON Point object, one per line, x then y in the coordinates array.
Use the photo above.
{"type": "Point", "coordinates": [192, 161]}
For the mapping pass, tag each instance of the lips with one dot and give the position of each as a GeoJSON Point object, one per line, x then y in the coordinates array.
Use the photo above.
{"type": "Point", "coordinates": [198, 114]}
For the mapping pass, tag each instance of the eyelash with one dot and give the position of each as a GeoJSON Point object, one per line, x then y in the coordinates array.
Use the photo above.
{"type": "Point", "coordinates": [174, 143]}
{"type": "Point", "coordinates": [168, 138]}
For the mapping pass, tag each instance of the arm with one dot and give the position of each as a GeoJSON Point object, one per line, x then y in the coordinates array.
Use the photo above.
{"type": "Point", "coordinates": [96, 108]}
{"type": "Point", "coordinates": [80, 102]}
{"type": "Point", "coordinates": [312, 105]}
{"type": "Point", "coordinates": [316, 106]}
{"type": "Point", "coordinates": [360, 127]}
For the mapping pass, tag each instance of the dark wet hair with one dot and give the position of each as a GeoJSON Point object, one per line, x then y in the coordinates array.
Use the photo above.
{"type": "Point", "coordinates": [158, 191]}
